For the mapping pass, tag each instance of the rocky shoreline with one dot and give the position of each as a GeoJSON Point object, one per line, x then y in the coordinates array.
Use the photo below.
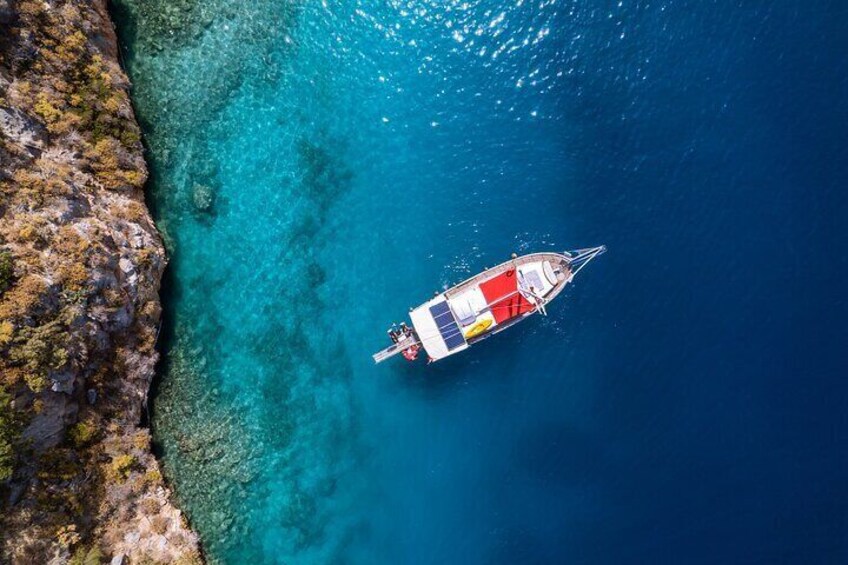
{"type": "Point", "coordinates": [80, 267]}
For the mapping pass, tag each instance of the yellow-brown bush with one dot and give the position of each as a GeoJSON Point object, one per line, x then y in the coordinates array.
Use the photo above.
{"type": "Point", "coordinates": [39, 350]}
{"type": "Point", "coordinates": [152, 477]}
{"type": "Point", "coordinates": [159, 524]}
{"type": "Point", "coordinates": [70, 244]}
{"type": "Point", "coordinates": [149, 506]}
{"type": "Point", "coordinates": [86, 556]}
{"type": "Point", "coordinates": [82, 433]}
{"type": "Point", "coordinates": [121, 466]}
{"type": "Point", "coordinates": [33, 230]}
{"type": "Point", "coordinates": [36, 382]}
{"type": "Point", "coordinates": [30, 187]}
{"type": "Point", "coordinates": [44, 107]}
{"type": "Point", "coordinates": [141, 440]}
{"type": "Point", "coordinates": [73, 277]}
{"type": "Point", "coordinates": [68, 535]}
{"type": "Point", "coordinates": [135, 212]}
{"type": "Point", "coordinates": [21, 299]}
{"type": "Point", "coordinates": [7, 332]}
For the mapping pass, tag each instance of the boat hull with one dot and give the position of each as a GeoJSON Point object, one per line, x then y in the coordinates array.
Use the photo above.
{"type": "Point", "coordinates": [490, 301]}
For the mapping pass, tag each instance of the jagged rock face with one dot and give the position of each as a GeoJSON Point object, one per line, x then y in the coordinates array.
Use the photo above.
{"type": "Point", "coordinates": [6, 12]}
{"type": "Point", "coordinates": [27, 132]}
{"type": "Point", "coordinates": [80, 266]}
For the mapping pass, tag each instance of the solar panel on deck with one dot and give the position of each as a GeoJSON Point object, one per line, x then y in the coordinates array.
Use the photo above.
{"type": "Point", "coordinates": [447, 325]}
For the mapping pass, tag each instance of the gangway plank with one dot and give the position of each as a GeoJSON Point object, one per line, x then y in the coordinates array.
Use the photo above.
{"type": "Point", "coordinates": [396, 348]}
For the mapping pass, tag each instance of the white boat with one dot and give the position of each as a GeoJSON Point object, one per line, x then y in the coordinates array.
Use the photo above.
{"type": "Point", "coordinates": [485, 304]}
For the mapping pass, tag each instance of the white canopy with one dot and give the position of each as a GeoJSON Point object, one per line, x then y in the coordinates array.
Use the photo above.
{"type": "Point", "coordinates": [433, 333]}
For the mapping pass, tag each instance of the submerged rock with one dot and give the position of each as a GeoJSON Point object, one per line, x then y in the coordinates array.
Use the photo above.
{"type": "Point", "coordinates": [203, 198]}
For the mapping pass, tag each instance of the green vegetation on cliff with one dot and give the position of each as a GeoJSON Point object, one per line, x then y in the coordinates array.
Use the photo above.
{"type": "Point", "coordinates": [7, 271]}
{"type": "Point", "coordinates": [8, 435]}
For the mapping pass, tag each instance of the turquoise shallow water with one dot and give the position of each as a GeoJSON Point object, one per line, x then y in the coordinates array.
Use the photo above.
{"type": "Point", "coordinates": [318, 168]}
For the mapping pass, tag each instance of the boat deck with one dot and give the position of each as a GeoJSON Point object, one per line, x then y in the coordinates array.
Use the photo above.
{"type": "Point", "coordinates": [556, 260]}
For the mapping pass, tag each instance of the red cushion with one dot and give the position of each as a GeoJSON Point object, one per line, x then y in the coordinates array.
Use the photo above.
{"type": "Point", "coordinates": [500, 293]}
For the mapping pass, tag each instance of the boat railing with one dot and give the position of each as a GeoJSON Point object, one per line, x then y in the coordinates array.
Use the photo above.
{"type": "Point", "coordinates": [513, 263]}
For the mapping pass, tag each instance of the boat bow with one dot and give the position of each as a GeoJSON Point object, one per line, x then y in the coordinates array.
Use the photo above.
{"type": "Point", "coordinates": [579, 258]}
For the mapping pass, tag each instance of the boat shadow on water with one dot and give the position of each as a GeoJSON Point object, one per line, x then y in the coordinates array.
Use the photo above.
{"type": "Point", "coordinates": [492, 359]}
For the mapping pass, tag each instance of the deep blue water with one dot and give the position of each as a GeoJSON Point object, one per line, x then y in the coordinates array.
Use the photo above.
{"type": "Point", "coordinates": [320, 167]}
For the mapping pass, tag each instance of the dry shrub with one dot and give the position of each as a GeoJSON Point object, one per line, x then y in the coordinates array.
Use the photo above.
{"type": "Point", "coordinates": [159, 524]}
{"type": "Point", "coordinates": [149, 506]}
{"type": "Point", "coordinates": [141, 440]}
{"type": "Point", "coordinates": [7, 332]}
{"type": "Point", "coordinates": [73, 277]}
{"type": "Point", "coordinates": [82, 433]}
{"type": "Point", "coordinates": [121, 467]}
{"type": "Point", "coordinates": [22, 298]}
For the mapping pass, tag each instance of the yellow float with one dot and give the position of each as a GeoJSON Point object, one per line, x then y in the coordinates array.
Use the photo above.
{"type": "Point", "coordinates": [478, 328]}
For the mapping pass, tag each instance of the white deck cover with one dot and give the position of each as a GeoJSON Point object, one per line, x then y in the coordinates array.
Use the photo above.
{"type": "Point", "coordinates": [468, 305]}
{"type": "Point", "coordinates": [533, 274]}
{"type": "Point", "coordinates": [428, 332]}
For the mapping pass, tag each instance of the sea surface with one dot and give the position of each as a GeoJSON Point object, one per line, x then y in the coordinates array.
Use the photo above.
{"type": "Point", "coordinates": [320, 167]}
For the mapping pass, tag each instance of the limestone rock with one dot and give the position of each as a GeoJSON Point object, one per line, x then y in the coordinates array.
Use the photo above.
{"type": "Point", "coordinates": [47, 427]}
{"type": "Point", "coordinates": [18, 127]}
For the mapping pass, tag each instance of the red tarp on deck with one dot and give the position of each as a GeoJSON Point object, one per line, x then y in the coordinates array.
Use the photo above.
{"type": "Point", "coordinates": [505, 302]}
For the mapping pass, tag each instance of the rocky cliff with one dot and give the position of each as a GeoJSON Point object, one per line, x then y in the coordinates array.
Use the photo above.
{"type": "Point", "coordinates": [80, 265]}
